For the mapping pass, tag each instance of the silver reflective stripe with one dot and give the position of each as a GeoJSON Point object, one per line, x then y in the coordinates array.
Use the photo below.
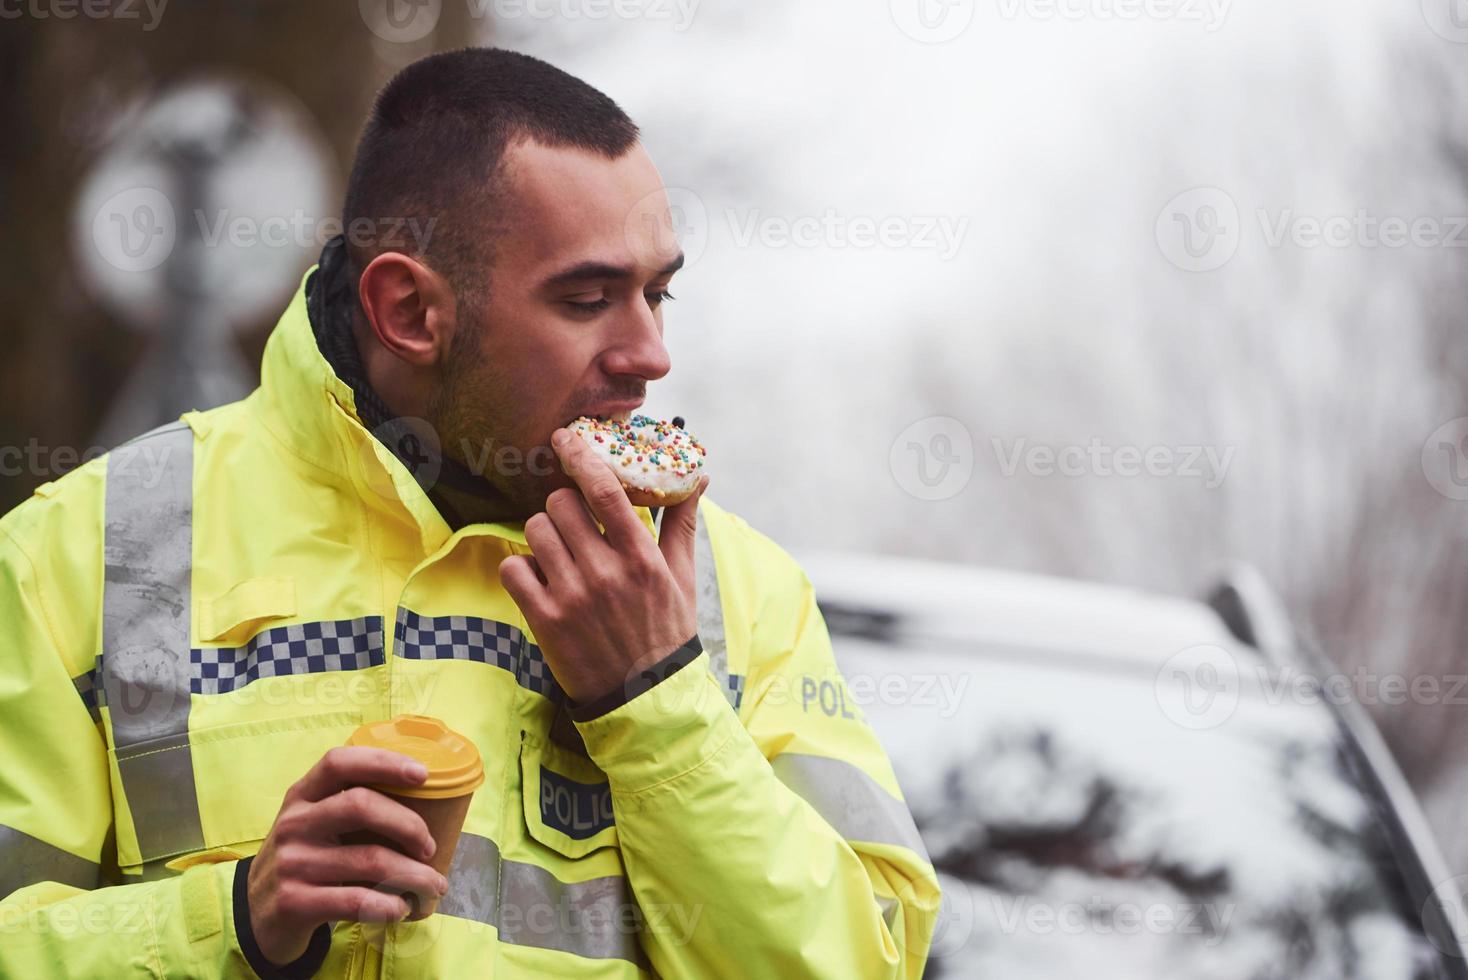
{"type": "Point", "coordinates": [849, 800]}
{"type": "Point", "coordinates": [711, 617]}
{"type": "Point", "coordinates": [529, 906]}
{"type": "Point", "coordinates": [26, 860]}
{"type": "Point", "coordinates": [148, 554]}
{"type": "Point", "coordinates": [889, 907]}
{"type": "Point", "coordinates": [474, 880]}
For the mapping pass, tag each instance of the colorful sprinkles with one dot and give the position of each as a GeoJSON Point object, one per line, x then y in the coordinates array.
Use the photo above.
{"type": "Point", "coordinates": [648, 441]}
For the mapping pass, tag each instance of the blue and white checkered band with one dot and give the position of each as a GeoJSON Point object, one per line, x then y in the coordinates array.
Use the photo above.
{"type": "Point", "coordinates": [302, 648]}
{"type": "Point", "coordinates": [485, 641]}
{"type": "Point", "coordinates": [351, 644]}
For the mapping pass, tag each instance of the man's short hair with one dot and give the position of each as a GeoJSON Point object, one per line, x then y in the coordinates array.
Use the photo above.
{"type": "Point", "coordinates": [433, 147]}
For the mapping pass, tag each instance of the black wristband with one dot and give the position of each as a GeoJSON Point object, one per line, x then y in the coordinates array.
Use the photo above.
{"type": "Point", "coordinates": [303, 967]}
{"type": "Point", "coordinates": [644, 681]}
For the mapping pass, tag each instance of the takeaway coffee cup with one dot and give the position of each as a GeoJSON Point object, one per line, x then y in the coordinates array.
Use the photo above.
{"type": "Point", "coordinates": [454, 773]}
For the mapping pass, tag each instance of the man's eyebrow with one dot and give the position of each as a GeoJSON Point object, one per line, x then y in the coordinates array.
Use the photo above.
{"type": "Point", "coordinates": [583, 271]}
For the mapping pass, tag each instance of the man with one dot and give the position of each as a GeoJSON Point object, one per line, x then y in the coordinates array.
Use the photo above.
{"type": "Point", "coordinates": [194, 624]}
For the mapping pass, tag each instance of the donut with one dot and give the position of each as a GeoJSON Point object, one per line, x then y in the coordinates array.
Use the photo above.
{"type": "Point", "coordinates": [659, 463]}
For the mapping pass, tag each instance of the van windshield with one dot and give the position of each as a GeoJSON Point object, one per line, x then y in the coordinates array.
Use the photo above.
{"type": "Point", "coordinates": [1080, 828]}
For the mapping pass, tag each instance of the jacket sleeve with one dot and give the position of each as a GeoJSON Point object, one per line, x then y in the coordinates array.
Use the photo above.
{"type": "Point", "coordinates": [59, 917]}
{"type": "Point", "coordinates": [776, 845]}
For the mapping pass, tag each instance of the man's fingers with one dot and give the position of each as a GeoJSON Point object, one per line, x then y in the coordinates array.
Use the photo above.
{"type": "Point", "coordinates": [677, 535]}
{"type": "Point", "coordinates": [552, 552]}
{"type": "Point", "coordinates": [355, 904]}
{"type": "Point", "coordinates": [575, 524]}
{"type": "Point", "coordinates": [369, 864]}
{"type": "Point", "coordinates": [361, 808]}
{"type": "Point", "coordinates": [356, 765]}
{"type": "Point", "coordinates": [601, 488]}
{"type": "Point", "coordinates": [525, 582]}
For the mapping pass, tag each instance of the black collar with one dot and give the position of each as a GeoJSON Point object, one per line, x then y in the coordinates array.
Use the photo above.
{"type": "Point", "coordinates": [330, 306]}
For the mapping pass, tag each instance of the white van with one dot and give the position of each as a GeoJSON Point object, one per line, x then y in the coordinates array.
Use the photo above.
{"type": "Point", "coordinates": [1114, 784]}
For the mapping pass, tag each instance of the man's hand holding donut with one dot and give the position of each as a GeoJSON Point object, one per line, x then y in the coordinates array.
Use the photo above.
{"type": "Point", "coordinates": [603, 606]}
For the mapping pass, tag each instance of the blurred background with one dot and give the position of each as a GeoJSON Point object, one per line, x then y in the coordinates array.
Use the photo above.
{"type": "Point", "coordinates": [1114, 290]}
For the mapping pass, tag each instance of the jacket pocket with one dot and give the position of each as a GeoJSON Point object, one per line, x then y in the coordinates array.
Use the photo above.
{"type": "Point", "coordinates": [243, 770]}
{"type": "Point", "coordinates": [239, 773]}
{"type": "Point", "coordinates": [236, 616]}
{"type": "Point", "coordinates": [567, 799]}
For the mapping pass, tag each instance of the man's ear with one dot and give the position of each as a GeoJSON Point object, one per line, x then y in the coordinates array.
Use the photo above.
{"type": "Point", "coordinates": [410, 308]}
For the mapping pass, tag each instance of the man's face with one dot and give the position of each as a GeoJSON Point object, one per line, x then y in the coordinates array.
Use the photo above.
{"type": "Point", "coordinates": [573, 324]}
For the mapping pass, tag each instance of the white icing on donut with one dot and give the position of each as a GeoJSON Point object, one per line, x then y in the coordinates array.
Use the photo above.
{"type": "Point", "coordinates": [645, 453]}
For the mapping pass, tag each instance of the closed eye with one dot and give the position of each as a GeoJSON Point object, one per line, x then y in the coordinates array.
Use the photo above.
{"type": "Point", "coordinates": [596, 306]}
{"type": "Point", "coordinates": [593, 307]}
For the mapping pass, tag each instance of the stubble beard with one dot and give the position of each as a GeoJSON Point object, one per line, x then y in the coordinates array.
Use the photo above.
{"type": "Point", "coordinates": [471, 411]}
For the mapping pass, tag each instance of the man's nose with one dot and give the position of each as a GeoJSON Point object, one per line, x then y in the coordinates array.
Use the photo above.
{"type": "Point", "coordinates": [639, 350]}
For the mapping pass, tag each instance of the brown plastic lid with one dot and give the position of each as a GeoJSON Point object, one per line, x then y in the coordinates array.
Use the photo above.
{"type": "Point", "coordinates": [454, 766]}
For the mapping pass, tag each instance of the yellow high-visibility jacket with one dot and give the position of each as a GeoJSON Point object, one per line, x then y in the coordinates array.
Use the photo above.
{"type": "Point", "coordinates": [190, 622]}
